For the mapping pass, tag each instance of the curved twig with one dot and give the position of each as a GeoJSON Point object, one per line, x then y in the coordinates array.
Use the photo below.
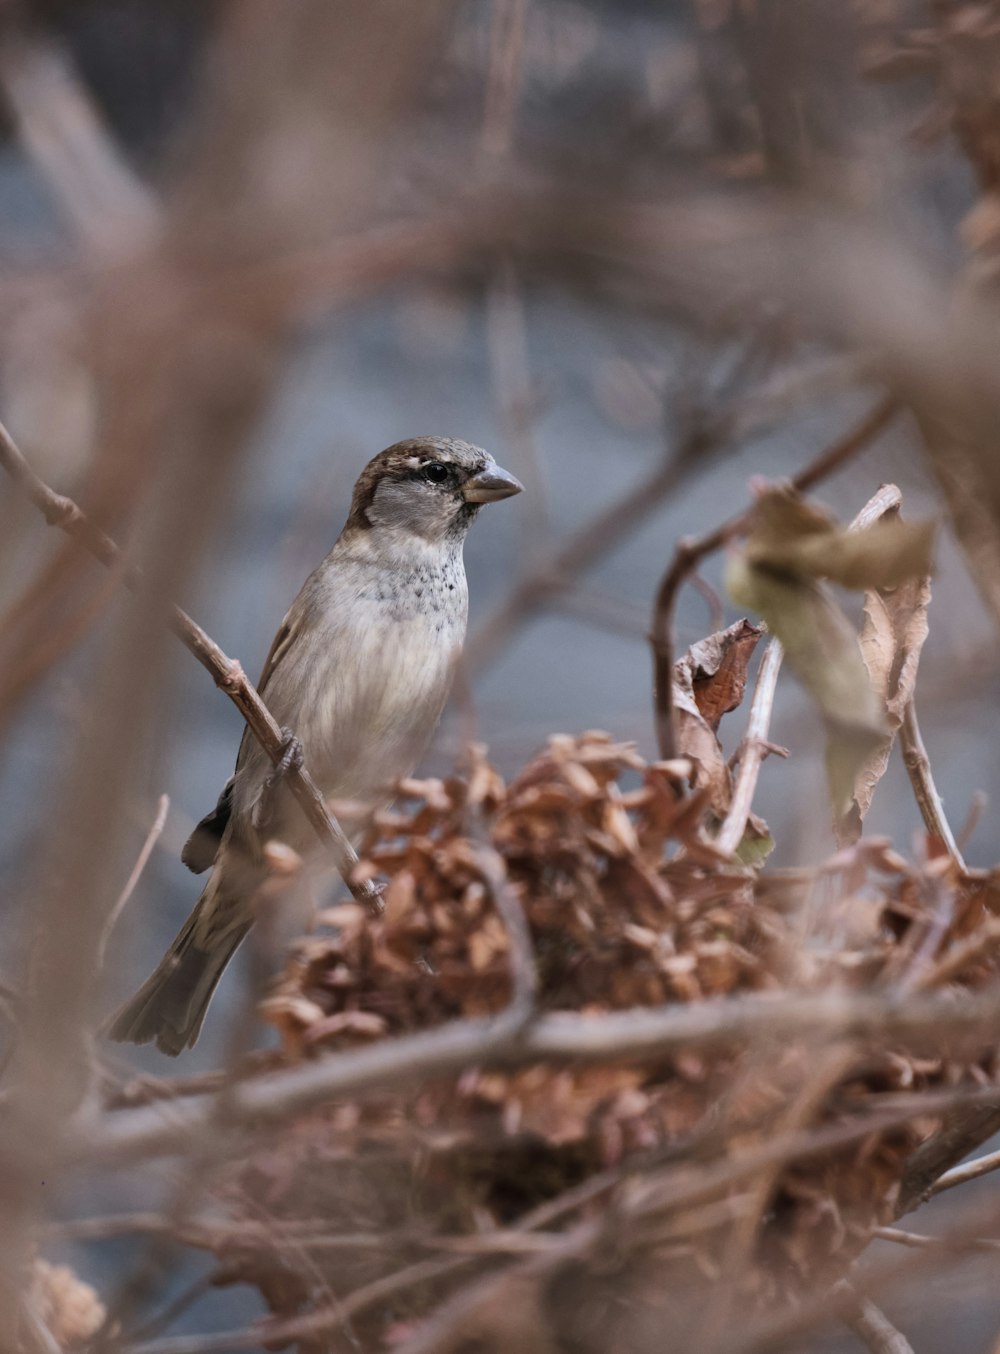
{"type": "Point", "coordinates": [754, 749]}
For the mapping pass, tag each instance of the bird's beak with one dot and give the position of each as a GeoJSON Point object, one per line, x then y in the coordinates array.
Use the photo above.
{"type": "Point", "coordinates": [490, 485]}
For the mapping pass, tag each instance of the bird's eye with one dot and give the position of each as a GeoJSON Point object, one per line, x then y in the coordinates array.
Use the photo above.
{"type": "Point", "coordinates": [435, 472]}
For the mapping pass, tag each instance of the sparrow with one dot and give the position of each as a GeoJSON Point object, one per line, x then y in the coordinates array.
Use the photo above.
{"type": "Point", "coordinates": [360, 669]}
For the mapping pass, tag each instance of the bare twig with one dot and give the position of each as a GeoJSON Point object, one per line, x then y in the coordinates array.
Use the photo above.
{"type": "Point", "coordinates": [325, 1319]}
{"type": "Point", "coordinates": [152, 836]}
{"type": "Point", "coordinates": [229, 676]}
{"type": "Point", "coordinates": [716, 609]}
{"type": "Point", "coordinates": [919, 1241]}
{"type": "Point", "coordinates": [580, 551]}
{"type": "Point", "coordinates": [960, 956]}
{"type": "Point", "coordinates": [211, 1234]}
{"type": "Point", "coordinates": [678, 1189]}
{"type": "Point", "coordinates": [918, 768]}
{"type": "Point", "coordinates": [61, 128]}
{"type": "Point", "coordinates": [503, 82]}
{"type": "Point", "coordinates": [961, 1175]}
{"type": "Point", "coordinates": [617, 615]}
{"type": "Point", "coordinates": [36, 1336]}
{"type": "Point", "coordinates": [178, 1305]}
{"type": "Point", "coordinates": [963, 1132]}
{"type": "Point", "coordinates": [754, 749]}
{"type": "Point", "coordinates": [524, 973]}
{"type": "Point", "coordinates": [871, 1325]}
{"type": "Point", "coordinates": [887, 498]}
{"type": "Point", "coordinates": [977, 807]}
{"type": "Point", "coordinates": [698, 434]}
{"type": "Point", "coordinates": [635, 1034]}
{"type": "Point", "coordinates": [513, 394]}
{"type": "Point", "coordinates": [689, 552]}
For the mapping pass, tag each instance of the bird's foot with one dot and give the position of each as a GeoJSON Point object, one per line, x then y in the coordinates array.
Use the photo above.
{"type": "Point", "coordinates": [291, 759]}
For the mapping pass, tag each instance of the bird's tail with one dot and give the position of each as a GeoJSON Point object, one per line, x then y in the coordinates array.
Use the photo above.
{"type": "Point", "coordinates": [171, 1004]}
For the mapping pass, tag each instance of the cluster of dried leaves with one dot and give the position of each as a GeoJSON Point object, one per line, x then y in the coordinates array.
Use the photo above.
{"type": "Point", "coordinates": [630, 904]}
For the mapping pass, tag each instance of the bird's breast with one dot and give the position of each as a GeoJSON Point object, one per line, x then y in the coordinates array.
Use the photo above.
{"type": "Point", "coordinates": [378, 699]}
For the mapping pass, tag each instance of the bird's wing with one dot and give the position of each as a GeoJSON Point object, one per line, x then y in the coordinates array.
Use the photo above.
{"type": "Point", "coordinates": [279, 647]}
{"type": "Point", "coordinates": [202, 847]}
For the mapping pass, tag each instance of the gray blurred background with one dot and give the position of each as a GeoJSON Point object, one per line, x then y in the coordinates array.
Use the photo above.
{"type": "Point", "coordinates": [578, 387]}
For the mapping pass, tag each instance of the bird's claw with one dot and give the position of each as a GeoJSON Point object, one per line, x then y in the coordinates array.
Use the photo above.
{"type": "Point", "coordinates": [291, 759]}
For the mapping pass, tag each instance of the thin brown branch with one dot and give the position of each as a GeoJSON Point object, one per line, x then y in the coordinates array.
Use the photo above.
{"type": "Point", "coordinates": [977, 807]}
{"type": "Point", "coordinates": [635, 1034]}
{"type": "Point", "coordinates": [920, 1241]}
{"type": "Point", "coordinates": [886, 499]}
{"type": "Point", "coordinates": [524, 972]}
{"type": "Point", "coordinates": [871, 1325]}
{"type": "Point", "coordinates": [698, 435]}
{"type": "Point", "coordinates": [605, 611]}
{"type": "Point", "coordinates": [961, 956]}
{"type": "Point", "coordinates": [62, 130]}
{"type": "Point", "coordinates": [217, 1234]}
{"type": "Point", "coordinates": [754, 749]}
{"type": "Point", "coordinates": [965, 1129]}
{"type": "Point", "coordinates": [513, 392]}
{"type": "Point", "coordinates": [915, 759]}
{"type": "Point", "coordinates": [961, 1175]}
{"type": "Point", "coordinates": [181, 1303]}
{"type": "Point", "coordinates": [690, 552]}
{"type": "Point", "coordinates": [503, 82]}
{"type": "Point", "coordinates": [325, 1319]}
{"type": "Point", "coordinates": [716, 609]}
{"type": "Point", "coordinates": [36, 1338]}
{"type": "Point", "coordinates": [582, 549]}
{"type": "Point", "coordinates": [229, 676]}
{"type": "Point", "coordinates": [918, 768]}
{"type": "Point", "coordinates": [677, 1189]}
{"type": "Point", "coordinates": [778, 1327]}
{"type": "Point", "coordinates": [152, 837]}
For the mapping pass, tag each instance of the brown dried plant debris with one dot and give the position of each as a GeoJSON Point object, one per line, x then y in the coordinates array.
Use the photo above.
{"type": "Point", "coordinates": [627, 906]}
{"type": "Point", "coordinates": [709, 681]}
{"type": "Point", "coordinates": [594, 841]}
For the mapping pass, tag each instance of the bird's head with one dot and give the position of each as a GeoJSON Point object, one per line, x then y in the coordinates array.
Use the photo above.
{"type": "Point", "coordinates": [428, 487]}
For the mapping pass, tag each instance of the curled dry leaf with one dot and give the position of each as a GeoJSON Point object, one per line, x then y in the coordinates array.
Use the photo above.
{"type": "Point", "coordinates": [709, 681]}
{"type": "Point", "coordinates": [892, 636]}
{"type": "Point", "coordinates": [793, 536]}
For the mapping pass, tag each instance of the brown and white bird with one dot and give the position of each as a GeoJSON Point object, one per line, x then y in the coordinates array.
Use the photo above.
{"type": "Point", "coordinates": [360, 669]}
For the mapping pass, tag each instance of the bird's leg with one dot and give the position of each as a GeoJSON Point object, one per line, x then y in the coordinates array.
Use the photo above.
{"type": "Point", "coordinates": [292, 758]}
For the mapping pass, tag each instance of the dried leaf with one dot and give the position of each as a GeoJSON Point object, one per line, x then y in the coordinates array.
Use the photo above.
{"type": "Point", "coordinates": [709, 681]}
{"type": "Point", "coordinates": [892, 636]}
{"type": "Point", "coordinates": [792, 547]}
{"type": "Point", "coordinates": [720, 669]}
{"type": "Point", "coordinates": [756, 844]}
{"type": "Point", "coordinates": [791, 536]}
{"type": "Point", "coordinates": [822, 649]}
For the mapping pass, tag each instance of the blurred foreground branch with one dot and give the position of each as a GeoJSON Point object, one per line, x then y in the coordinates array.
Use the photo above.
{"type": "Point", "coordinates": [653, 1033]}
{"type": "Point", "coordinates": [229, 676]}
